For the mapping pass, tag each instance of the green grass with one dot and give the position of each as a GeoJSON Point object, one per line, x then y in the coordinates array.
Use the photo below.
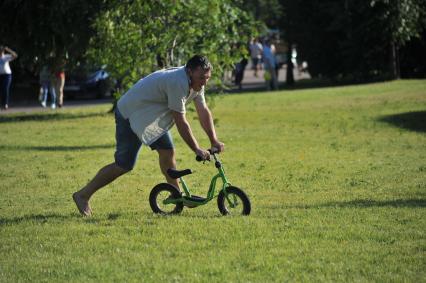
{"type": "Point", "coordinates": [336, 177]}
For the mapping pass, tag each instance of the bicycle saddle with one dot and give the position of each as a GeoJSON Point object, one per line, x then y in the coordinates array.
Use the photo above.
{"type": "Point", "coordinates": [173, 173]}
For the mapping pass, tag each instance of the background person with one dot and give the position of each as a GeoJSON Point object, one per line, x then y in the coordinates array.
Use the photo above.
{"type": "Point", "coordinates": [145, 114]}
{"type": "Point", "coordinates": [239, 72]}
{"type": "Point", "coordinates": [47, 86]}
{"type": "Point", "coordinates": [60, 82]}
{"type": "Point", "coordinates": [270, 64]}
{"type": "Point", "coordinates": [255, 54]}
{"type": "Point", "coordinates": [6, 55]}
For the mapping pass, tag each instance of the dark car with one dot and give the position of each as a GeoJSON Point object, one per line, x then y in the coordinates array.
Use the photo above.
{"type": "Point", "coordinates": [95, 84]}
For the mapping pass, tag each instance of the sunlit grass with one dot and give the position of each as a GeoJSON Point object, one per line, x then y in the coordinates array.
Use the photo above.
{"type": "Point", "coordinates": [336, 177]}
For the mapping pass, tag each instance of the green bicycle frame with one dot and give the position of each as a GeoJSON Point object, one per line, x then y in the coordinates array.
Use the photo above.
{"type": "Point", "coordinates": [211, 192]}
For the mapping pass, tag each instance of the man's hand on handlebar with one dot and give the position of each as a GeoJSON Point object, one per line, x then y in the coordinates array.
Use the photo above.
{"type": "Point", "coordinates": [218, 146]}
{"type": "Point", "coordinates": [202, 154]}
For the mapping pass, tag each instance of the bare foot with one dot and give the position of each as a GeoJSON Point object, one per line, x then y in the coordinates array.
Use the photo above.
{"type": "Point", "coordinates": [82, 204]}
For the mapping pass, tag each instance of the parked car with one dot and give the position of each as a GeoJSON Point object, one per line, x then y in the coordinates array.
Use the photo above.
{"type": "Point", "coordinates": [97, 84]}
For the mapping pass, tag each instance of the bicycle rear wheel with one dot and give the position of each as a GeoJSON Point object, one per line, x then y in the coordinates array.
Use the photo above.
{"type": "Point", "coordinates": [159, 194]}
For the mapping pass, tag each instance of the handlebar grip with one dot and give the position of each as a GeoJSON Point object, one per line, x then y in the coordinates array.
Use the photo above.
{"type": "Point", "coordinates": [213, 150]}
{"type": "Point", "coordinates": [198, 158]}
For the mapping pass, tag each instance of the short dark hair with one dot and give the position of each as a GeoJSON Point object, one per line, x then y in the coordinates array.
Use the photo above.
{"type": "Point", "coordinates": [199, 61]}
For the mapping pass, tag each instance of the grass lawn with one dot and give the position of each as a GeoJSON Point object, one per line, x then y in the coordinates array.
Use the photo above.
{"type": "Point", "coordinates": [336, 177]}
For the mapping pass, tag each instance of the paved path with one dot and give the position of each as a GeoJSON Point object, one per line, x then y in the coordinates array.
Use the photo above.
{"type": "Point", "coordinates": [29, 107]}
{"type": "Point", "coordinates": [250, 81]}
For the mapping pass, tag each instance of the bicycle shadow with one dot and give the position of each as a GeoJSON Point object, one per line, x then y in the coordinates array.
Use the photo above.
{"type": "Point", "coordinates": [49, 117]}
{"type": "Point", "coordinates": [367, 203]}
{"type": "Point", "coordinates": [414, 121]}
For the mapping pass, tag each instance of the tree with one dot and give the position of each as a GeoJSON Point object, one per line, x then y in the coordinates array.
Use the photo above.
{"type": "Point", "coordinates": [353, 39]}
{"type": "Point", "coordinates": [45, 30]}
{"type": "Point", "coordinates": [402, 20]}
{"type": "Point", "coordinates": [137, 37]}
{"type": "Point", "coordinates": [268, 12]}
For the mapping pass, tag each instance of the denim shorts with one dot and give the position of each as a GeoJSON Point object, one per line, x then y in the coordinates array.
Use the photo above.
{"type": "Point", "coordinates": [128, 143]}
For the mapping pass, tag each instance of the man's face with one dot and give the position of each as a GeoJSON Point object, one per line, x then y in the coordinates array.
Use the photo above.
{"type": "Point", "coordinates": [199, 78]}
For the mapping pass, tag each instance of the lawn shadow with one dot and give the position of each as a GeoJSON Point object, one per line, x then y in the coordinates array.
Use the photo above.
{"type": "Point", "coordinates": [49, 117]}
{"type": "Point", "coordinates": [55, 148]}
{"type": "Point", "coordinates": [414, 121]}
{"type": "Point", "coordinates": [366, 203]}
{"type": "Point", "coordinates": [44, 218]}
{"type": "Point", "coordinates": [38, 218]}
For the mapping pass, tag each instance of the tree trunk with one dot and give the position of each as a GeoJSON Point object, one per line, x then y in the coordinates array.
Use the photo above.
{"type": "Point", "coordinates": [289, 76]}
{"type": "Point", "coordinates": [394, 62]}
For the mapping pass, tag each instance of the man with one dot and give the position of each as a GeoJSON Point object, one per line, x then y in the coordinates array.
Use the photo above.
{"type": "Point", "coordinates": [270, 66]}
{"type": "Point", "coordinates": [145, 114]}
{"type": "Point", "coordinates": [256, 54]}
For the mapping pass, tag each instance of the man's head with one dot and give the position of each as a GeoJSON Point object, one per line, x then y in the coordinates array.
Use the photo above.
{"type": "Point", "coordinates": [199, 71]}
{"type": "Point", "coordinates": [1, 49]}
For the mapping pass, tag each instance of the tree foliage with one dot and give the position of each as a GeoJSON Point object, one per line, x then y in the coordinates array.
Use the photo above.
{"type": "Point", "coordinates": [134, 38]}
{"type": "Point", "coordinates": [358, 39]}
{"type": "Point", "coordinates": [268, 12]}
{"type": "Point", "coordinates": [46, 31]}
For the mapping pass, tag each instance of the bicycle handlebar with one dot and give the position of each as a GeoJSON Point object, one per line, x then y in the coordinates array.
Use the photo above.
{"type": "Point", "coordinates": [212, 151]}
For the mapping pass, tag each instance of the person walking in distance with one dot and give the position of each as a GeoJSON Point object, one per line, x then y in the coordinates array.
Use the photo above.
{"type": "Point", "coordinates": [256, 55]}
{"type": "Point", "coordinates": [6, 55]}
{"type": "Point", "coordinates": [60, 82]}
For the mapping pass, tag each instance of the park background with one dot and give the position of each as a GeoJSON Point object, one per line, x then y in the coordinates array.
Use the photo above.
{"type": "Point", "coordinates": [334, 164]}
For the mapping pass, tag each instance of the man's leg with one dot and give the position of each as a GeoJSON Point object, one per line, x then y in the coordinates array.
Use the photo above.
{"type": "Point", "coordinates": [105, 176]}
{"type": "Point", "coordinates": [167, 160]}
{"type": "Point", "coordinates": [60, 82]}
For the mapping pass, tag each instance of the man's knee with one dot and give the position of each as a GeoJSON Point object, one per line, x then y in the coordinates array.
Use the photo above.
{"type": "Point", "coordinates": [120, 169]}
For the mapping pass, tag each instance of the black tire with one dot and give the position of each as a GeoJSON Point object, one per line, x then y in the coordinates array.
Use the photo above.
{"type": "Point", "coordinates": [236, 195]}
{"type": "Point", "coordinates": [161, 192]}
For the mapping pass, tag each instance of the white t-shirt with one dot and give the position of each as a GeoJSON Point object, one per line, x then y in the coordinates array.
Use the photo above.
{"type": "Point", "coordinates": [148, 104]}
{"type": "Point", "coordinates": [4, 64]}
{"type": "Point", "coordinates": [256, 50]}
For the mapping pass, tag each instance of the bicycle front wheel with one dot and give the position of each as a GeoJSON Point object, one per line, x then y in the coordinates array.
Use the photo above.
{"type": "Point", "coordinates": [236, 202]}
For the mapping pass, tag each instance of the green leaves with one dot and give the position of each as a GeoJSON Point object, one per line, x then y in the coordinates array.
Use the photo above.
{"type": "Point", "coordinates": [352, 39]}
{"type": "Point", "coordinates": [131, 36]}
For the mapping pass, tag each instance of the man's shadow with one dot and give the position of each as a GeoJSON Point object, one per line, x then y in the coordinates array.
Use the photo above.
{"type": "Point", "coordinates": [414, 121]}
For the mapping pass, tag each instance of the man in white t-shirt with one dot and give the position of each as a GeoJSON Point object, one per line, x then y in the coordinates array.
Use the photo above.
{"type": "Point", "coordinates": [255, 54]}
{"type": "Point", "coordinates": [145, 114]}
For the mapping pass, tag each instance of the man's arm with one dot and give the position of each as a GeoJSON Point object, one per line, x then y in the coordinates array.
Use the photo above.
{"type": "Point", "coordinates": [206, 121]}
{"type": "Point", "coordinates": [185, 132]}
{"type": "Point", "coordinates": [13, 53]}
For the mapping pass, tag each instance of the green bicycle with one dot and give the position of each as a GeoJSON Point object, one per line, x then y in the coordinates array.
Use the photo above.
{"type": "Point", "coordinates": [167, 199]}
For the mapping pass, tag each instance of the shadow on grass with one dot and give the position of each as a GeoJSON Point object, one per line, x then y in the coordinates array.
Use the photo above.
{"type": "Point", "coordinates": [37, 218]}
{"type": "Point", "coordinates": [49, 117]}
{"type": "Point", "coordinates": [44, 218]}
{"type": "Point", "coordinates": [414, 121]}
{"type": "Point", "coordinates": [55, 148]}
{"type": "Point", "coordinates": [366, 203]}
